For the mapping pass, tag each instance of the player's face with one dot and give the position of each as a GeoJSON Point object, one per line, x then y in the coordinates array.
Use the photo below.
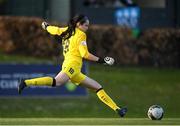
{"type": "Point", "coordinates": [84, 27]}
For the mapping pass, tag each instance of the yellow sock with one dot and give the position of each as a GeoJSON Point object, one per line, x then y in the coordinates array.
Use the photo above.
{"type": "Point", "coordinates": [42, 81]}
{"type": "Point", "coordinates": [106, 99]}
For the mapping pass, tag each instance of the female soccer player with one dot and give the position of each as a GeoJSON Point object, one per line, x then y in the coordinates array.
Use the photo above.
{"type": "Point", "coordinates": [74, 50]}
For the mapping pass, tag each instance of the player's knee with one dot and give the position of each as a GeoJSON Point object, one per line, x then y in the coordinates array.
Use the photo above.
{"type": "Point", "coordinates": [99, 90]}
{"type": "Point", "coordinates": [97, 86]}
{"type": "Point", "coordinates": [59, 82]}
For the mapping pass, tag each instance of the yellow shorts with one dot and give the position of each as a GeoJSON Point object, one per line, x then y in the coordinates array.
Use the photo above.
{"type": "Point", "coordinates": [74, 73]}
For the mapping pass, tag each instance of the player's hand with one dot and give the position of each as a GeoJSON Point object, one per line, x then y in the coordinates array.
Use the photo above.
{"type": "Point", "coordinates": [106, 60]}
{"type": "Point", "coordinates": [109, 60]}
{"type": "Point", "coordinates": [44, 25]}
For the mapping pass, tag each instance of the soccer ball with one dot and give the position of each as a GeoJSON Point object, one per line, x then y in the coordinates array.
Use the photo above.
{"type": "Point", "coordinates": [155, 112]}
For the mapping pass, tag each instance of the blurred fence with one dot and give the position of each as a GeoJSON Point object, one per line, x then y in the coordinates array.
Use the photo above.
{"type": "Point", "coordinates": [153, 47]}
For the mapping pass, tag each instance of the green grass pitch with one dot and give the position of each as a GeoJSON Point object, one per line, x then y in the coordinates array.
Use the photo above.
{"type": "Point", "coordinates": [88, 121]}
{"type": "Point", "coordinates": [135, 88]}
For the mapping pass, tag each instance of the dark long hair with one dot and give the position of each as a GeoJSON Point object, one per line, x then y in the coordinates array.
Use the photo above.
{"type": "Point", "coordinates": [72, 25]}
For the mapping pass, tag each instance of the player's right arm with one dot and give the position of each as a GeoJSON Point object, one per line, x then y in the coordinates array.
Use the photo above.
{"type": "Point", "coordinates": [83, 49]}
{"type": "Point", "coordinates": [54, 30]}
{"type": "Point", "coordinates": [105, 60]}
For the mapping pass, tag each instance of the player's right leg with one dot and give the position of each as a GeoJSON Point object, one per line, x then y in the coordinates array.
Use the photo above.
{"type": "Point", "coordinates": [103, 96]}
{"type": "Point", "coordinates": [60, 79]}
{"type": "Point", "coordinates": [122, 111]}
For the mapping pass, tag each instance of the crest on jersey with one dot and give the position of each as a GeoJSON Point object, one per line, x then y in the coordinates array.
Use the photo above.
{"type": "Point", "coordinates": [84, 43]}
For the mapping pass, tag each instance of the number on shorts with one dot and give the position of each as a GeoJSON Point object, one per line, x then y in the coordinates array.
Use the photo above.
{"type": "Point", "coordinates": [71, 70]}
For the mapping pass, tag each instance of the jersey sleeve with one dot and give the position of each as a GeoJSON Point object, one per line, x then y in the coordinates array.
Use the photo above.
{"type": "Point", "coordinates": [83, 49]}
{"type": "Point", "coordinates": [54, 30]}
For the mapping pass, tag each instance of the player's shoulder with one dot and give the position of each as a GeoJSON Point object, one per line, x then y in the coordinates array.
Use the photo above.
{"type": "Point", "coordinates": [80, 33]}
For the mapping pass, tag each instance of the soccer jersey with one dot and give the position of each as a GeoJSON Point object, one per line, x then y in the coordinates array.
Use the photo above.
{"type": "Point", "coordinates": [74, 50]}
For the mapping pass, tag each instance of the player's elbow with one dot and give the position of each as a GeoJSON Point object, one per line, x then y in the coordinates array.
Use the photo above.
{"type": "Point", "coordinates": [85, 55]}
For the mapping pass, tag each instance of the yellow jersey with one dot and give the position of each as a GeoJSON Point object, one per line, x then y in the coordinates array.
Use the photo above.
{"type": "Point", "coordinates": [75, 48]}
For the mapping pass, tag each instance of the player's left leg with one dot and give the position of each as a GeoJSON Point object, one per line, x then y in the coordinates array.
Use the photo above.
{"type": "Point", "coordinates": [102, 95]}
